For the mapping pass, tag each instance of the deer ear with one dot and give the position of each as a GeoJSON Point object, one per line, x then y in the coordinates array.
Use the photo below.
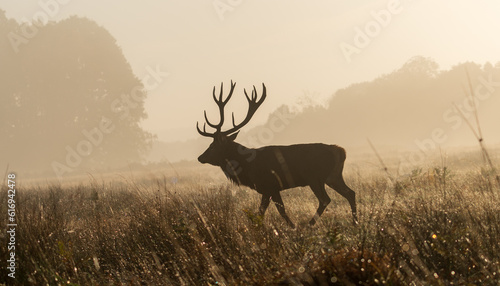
{"type": "Point", "coordinates": [233, 136]}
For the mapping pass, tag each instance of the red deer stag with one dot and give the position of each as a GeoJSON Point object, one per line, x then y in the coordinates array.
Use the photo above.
{"type": "Point", "coordinates": [271, 169]}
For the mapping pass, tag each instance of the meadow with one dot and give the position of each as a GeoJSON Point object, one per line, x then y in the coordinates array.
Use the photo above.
{"type": "Point", "coordinates": [439, 224]}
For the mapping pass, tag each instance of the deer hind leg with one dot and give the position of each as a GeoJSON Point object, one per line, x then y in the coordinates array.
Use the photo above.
{"type": "Point", "coordinates": [340, 186]}
{"type": "Point", "coordinates": [323, 198]}
{"type": "Point", "coordinates": [276, 197]}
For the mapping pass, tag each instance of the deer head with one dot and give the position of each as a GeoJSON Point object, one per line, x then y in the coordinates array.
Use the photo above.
{"type": "Point", "coordinates": [223, 141]}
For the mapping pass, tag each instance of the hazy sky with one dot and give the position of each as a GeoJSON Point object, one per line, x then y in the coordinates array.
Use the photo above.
{"type": "Point", "coordinates": [296, 48]}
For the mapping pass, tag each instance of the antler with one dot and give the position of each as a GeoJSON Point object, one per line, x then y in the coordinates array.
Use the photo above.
{"type": "Point", "coordinates": [221, 103]}
{"type": "Point", "coordinates": [253, 105]}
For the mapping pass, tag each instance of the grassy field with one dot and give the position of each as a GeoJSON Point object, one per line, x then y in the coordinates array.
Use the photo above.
{"type": "Point", "coordinates": [435, 226]}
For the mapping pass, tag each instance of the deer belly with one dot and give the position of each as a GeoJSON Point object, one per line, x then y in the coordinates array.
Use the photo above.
{"type": "Point", "coordinates": [276, 181]}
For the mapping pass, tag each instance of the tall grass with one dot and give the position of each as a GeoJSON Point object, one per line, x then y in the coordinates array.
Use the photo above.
{"type": "Point", "coordinates": [440, 227]}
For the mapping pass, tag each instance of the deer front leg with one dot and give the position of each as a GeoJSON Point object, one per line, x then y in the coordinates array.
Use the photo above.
{"type": "Point", "coordinates": [281, 208]}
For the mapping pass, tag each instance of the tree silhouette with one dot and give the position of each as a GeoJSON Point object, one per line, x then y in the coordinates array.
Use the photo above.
{"type": "Point", "coordinates": [62, 98]}
{"type": "Point", "coordinates": [402, 108]}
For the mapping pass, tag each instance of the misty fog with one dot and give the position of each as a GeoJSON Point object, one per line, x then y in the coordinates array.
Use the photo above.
{"type": "Point", "coordinates": [83, 90]}
{"type": "Point", "coordinates": [231, 142]}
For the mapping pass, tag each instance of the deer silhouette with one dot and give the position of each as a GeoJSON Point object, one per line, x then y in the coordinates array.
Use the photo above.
{"type": "Point", "coordinates": [271, 169]}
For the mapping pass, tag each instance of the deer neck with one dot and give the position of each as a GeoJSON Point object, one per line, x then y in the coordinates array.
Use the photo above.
{"type": "Point", "coordinates": [238, 153]}
{"type": "Point", "coordinates": [236, 163]}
